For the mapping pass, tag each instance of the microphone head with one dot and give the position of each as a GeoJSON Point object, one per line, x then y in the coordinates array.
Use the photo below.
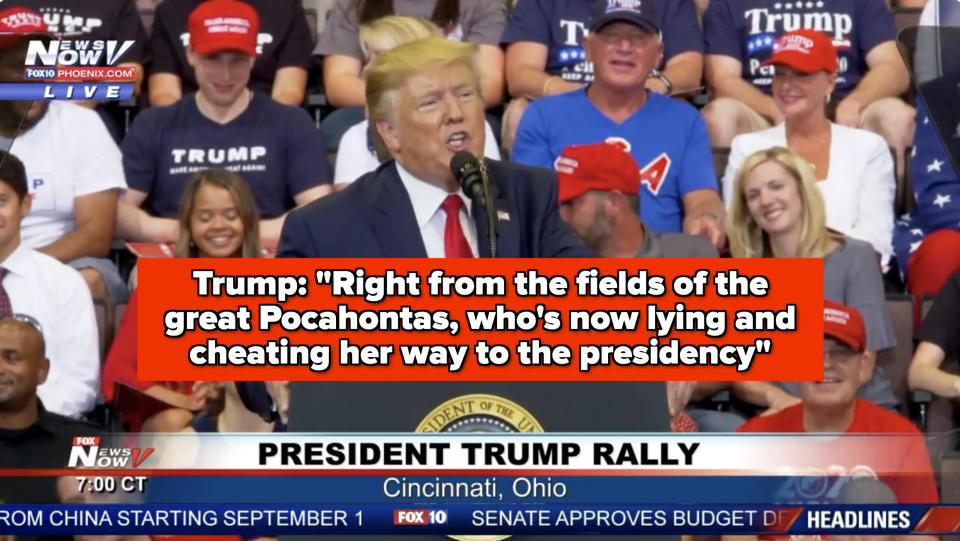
{"type": "Point", "coordinates": [461, 162]}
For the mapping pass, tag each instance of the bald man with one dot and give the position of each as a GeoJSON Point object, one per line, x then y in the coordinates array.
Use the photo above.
{"type": "Point", "coordinates": [30, 436]}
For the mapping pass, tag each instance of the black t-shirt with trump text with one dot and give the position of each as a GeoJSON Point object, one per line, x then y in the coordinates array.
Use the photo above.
{"type": "Point", "coordinates": [93, 20]}
{"type": "Point", "coordinates": [284, 40]}
{"type": "Point", "coordinates": [274, 147]}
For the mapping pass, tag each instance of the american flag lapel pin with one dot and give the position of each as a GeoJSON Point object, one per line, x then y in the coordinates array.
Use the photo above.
{"type": "Point", "coordinates": [503, 216]}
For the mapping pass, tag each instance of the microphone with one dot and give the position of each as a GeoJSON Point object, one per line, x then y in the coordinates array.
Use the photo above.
{"type": "Point", "coordinates": [473, 180]}
{"type": "Point", "coordinates": [466, 169]}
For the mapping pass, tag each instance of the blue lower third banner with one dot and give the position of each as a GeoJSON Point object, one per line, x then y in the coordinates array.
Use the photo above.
{"type": "Point", "coordinates": [99, 91]}
{"type": "Point", "coordinates": [461, 519]}
{"type": "Point", "coordinates": [494, 489]}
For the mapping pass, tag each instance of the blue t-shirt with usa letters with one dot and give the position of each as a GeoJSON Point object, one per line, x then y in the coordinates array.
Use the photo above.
{"type": "Point", "coordinates": [746, 30]}
{"type": "Point", "coordinates": [561, 25]}
{"type": "Point", "coordinates": [667, 138]}
{"type": "Point", "coordinates": [274, 147]}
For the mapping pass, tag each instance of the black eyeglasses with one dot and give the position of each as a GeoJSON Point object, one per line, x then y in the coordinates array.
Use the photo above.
{"type": "Point", "coordinates": [29, 320]}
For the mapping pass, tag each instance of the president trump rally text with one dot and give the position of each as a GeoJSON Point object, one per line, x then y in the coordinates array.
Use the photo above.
{"type": "Point", "coordinates": [493, 454]}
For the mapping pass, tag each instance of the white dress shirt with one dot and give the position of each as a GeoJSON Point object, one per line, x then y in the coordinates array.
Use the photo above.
{"type": "Point", "coordinates": [431, 218]}
{"type": "Point", "coordinates": [859, 187]}
{"type": "Point", "coordinates": [56, 296]}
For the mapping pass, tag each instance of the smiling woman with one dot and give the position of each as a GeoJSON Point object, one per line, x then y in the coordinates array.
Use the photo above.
{"type": "Point", "coordinates": [777, 210]}
{"type": "Point", "coordinates": [218, 218]}
{"type": "Point", "coordinates": [858, 188]}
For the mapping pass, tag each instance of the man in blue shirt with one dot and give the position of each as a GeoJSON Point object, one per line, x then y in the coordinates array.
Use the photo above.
{"type": "Point", "coordinates": [545, 56]}
{"type": "Point", "coordinates": [666, 137]}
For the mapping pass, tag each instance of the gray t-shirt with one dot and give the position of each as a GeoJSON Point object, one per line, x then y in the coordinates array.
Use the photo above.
{"type": "Point", "coordinates": [674, 245]}
{"type": "Point", "coordinates": [851, 276]}
{"type": "Point", "coordinates": [480, 21]}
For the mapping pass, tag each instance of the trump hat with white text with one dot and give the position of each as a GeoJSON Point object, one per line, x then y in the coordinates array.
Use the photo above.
{"type": "Point", "coordinates": [224, 25]}
{"type": "Point", "coordinates": [18, 23]}
{"type": "Point", "coordinates": [600, 166]}
{"type": "Point", "coordinates": [845, 324]}
{"type": "Point", "coordinates": [806, 51]}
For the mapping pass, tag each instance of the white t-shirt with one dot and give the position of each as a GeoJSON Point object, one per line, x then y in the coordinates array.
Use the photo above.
{"type": "Point", "coordinates": [355, 159]}
{"type": "Point", "coordinates": [67, 155]}
{"type": "Point", "coordinates": [56, 296]}
{"type": "Point", "coordinates": [859, 187]}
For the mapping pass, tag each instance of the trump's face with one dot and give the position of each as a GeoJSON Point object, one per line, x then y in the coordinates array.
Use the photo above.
{"type": "Point", "coordinates": [437, 113]}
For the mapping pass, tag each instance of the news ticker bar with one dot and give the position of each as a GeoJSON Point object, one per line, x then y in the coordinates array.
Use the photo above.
{"type": "Point", "coordinates": [100, 91]}
{"type": "Point", "coordinates": [254, 519]}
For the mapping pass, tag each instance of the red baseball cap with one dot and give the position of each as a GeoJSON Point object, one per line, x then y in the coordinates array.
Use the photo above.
{"type": "Point", "coordinates": [600, 166]}
{"type": "Point", "coordinates": [806, 51]}
{"type": "Point", "coordinates": [224, 25]}
{"type": "Point", "coordinates": [845, 324]}
{"type": "Point", "coordinates": [20, 22]}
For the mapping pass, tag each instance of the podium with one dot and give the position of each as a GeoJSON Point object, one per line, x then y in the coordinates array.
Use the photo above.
{"type": "Point", "coordinates": [452, 407]}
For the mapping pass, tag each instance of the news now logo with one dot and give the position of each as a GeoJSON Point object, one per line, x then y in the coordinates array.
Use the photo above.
{"type": "Point", "coordinates": [419, 517]}
{"type": "Point", "coordinates": [86, 453]}
{"type": "Point", "coordinates": [77, 60]}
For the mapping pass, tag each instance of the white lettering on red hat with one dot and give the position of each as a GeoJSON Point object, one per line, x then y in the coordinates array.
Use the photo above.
{"type": "Point", "coordinates": [233, 25]}
{"type": "Point", "coordinates": [16, 20]}
{"type": "Point", "coordinates": [565, 165]}
{"type": "Point", "coordinates": [797, 43]}
{"type": "Point", "coordinates": [613, 5]}
{"type": "Point", "coordinates": [836, 316]}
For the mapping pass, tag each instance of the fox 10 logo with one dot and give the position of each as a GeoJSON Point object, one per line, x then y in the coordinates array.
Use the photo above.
{"type": "Point", "coordinates": [419, 517]}
{"type": "Point", "coordinates": [86, 453]}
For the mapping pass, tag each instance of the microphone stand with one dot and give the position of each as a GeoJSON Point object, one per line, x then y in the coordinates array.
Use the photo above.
{"type": "Point", "coordinates": [492, 232]}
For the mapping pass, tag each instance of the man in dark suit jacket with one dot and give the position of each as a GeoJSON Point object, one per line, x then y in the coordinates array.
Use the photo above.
{"type": "Point", "coordinates": [424, 103]}
{"type": "Point", "coordinates": [374, 217]}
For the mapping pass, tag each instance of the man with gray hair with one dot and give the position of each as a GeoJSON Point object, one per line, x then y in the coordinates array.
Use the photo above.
{"type": "Point", "coordinates": [666, 137]}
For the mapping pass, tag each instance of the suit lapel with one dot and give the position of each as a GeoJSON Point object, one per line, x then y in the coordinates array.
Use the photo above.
{"type": "Point", "coordinates": [508, 238]}
{"type": "Point", "coordinates": [392, 218]}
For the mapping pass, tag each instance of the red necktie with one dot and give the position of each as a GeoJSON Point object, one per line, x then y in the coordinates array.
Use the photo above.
{"type": "Point", "coordinates": [5, 308]}
{"type": "Point", "coordinates": [454, 242]}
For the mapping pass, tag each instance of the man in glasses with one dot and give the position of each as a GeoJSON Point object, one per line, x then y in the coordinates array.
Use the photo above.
{"type": "Point", "coordinates": [30, 436]}
{"type": "Point", "coordinates": [831, 406]}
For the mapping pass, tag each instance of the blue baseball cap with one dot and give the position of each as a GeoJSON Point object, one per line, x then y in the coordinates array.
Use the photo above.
{"type": "Point", "coordinates": [642, 13]}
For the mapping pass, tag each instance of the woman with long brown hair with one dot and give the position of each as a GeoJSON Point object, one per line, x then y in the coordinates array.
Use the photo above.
{"type": "Point", "coordinates": [218, 218]}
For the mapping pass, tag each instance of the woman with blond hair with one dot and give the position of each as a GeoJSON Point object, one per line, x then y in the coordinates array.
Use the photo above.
{"type": "Point", "coordinates": [358, 154]}
{"type": "Point", "coordinates": [853, 168]}
{"type": "Point", "coordinates": [777, 210]}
